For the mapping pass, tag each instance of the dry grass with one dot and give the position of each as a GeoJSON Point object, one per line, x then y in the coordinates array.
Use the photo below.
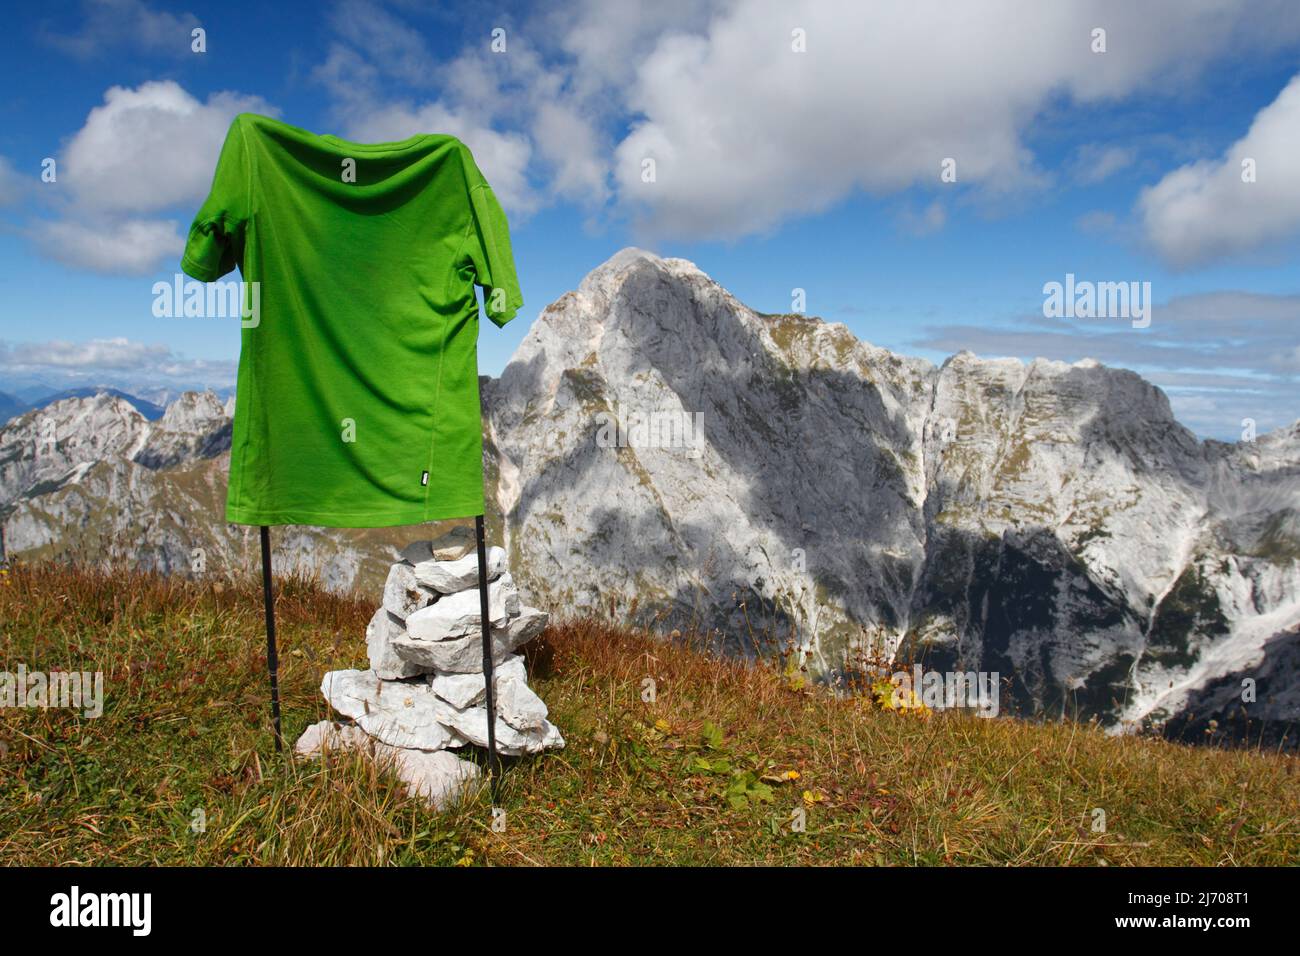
{"type": "Point", "coordinates": [710, 772]}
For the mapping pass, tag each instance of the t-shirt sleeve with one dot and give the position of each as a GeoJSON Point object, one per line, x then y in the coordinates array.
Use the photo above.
{"type": "Point", "coordinates": [488, 244]}
{"type": "Point", "coordinates": [216, 240]}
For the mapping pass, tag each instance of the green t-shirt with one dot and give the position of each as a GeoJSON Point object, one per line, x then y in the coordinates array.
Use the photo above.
{"type": "Point", "coordinates": [357, 401]}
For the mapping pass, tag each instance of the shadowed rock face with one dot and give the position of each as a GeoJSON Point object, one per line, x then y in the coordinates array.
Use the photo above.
{"type": "Point", "coordinates": [1052, 522]}
{"type": "Point", "coordinates": [656, 446]}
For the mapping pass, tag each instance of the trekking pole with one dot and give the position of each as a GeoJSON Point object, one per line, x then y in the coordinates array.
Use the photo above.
{"type": "Point", "coordinates": [272, 662]}
{"type": "Point", "coordinates": [493, 764]}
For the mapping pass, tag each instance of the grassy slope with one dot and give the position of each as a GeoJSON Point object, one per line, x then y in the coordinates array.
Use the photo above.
{"type": "Point", "coordinates": [186, 727]}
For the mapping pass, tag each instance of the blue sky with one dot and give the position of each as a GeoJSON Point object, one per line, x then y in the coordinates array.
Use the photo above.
{"type": "Point", "coordinates": [778, 168]}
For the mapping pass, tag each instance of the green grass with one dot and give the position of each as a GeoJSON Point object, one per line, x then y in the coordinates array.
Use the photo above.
{"type": "Point", "coordinates": [700, 776]}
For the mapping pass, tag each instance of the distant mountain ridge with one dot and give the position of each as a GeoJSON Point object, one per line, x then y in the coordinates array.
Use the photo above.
{"type": "Point", "coordinates": [113, 486]}
{"type": "Point", "coordinates": [657, 447]}
{"type": "Point", "coordinates": [11, 406]}
{"type": "Point", "coordinates": [16, 403]}
{"type": "Point", "coordinates": [151, 411]}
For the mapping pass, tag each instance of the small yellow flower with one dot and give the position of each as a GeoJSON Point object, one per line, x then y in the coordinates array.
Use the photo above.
{"type": "Point", "coordinates": [663, 726]}
{"type": "Point", "coordinates": [792, 775]}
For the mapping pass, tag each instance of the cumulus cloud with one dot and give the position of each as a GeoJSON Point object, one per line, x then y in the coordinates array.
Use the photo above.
{"type": "Point", "coordinates": [387, 40]}
{"type": "Point", "coordinates": [541, 118]}
{"type": "Point", "coordinates": [1207, 210]}
{"type": "Point", "coordinates": [128, 246]}
{"type": "Point", "coordinates": [606, 51]}
{"type": "Point", "coordinates": [569, 142]}
{"type": "Point", "coordinates": [513, 111]}
{"type": "Point", "coordinates": [746, 133]}
{"type": "Point", "coordinates": [150, 147]}
{"type": "Point", "coordinates": [143, 150]}
{"type": "Point", "coordinates": [503, 157]}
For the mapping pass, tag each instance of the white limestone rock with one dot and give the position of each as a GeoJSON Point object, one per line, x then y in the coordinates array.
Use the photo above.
{"type": "Point", "coordinates": [329, 735]}
{"type": "Point", "coordinates": [425, 728]}
{"type": "Point", "coordinates": [515, 702]}
{"type": "Point", "coordinates": [456, 543]}
{"type": "Point", "coordinates": [399, 713]}
{"type": "Point", "coordinates": [456, 615]}
{"type": "Point", "coordinates": [438, 777]}
{"type": "Point", "coordinates": [410, 715]}
{"type": "Point", "coordinates": [472, 725]}
{"type": "Point", "coordinates": [403, 592]}
{"type": "Point", "coordinates": [464, 655]}
{"type": "Point", "coordinates": [466, 690]}
{"type": "Point", "coordinates": [448, 577]}
{"type": "Point", "coordinates": [519, 706]}
{"type": "Point", "coordinates": [384, 659]}
{"type": "Point", "coordinates": [195, 425]}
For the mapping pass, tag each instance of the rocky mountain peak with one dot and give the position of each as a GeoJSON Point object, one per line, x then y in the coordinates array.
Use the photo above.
{"type": "Point", "coordinates": [45, 444]}
{"type": "Point", "coordinates": [607, 276]}
{"type": "Point", "coordinates": [48, 447]}
{"type": "Point", "coordinates": [1046, 519]}
{"type": "Point", "coordinates": [192, 409]}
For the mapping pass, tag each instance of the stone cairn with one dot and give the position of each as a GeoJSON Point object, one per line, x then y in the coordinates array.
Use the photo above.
{"type": "Point", "coordinates": [424, 695]}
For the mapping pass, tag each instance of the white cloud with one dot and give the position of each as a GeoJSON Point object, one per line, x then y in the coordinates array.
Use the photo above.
{"type": "Point", "coordinates": [12, 185]}
{"type": "Point", "coordinates": [929, 220]}
{"type": "Point", "coordinates": [536, 130]}
{"type": "Point", "coordinates": [144, 150]}
{"type": "Point", "coordinates": [395, 46]}
{"type": "Point", "coordinates": [491, 102]}
{"type": "Point", "coordinates": [747, 133]}
{"type": "Point", "coordinates": [1094, 163]}
{"type": "Point", "coordinates": [115, 353]}
{"type": "Point", "coordinates": [107, 24]}
{"type": "Point", "coordinates": [150, 147]}
{"type": "Point", "coordinates": [1204, 211]}
{"type": "Point", "coordinates": [607, 50]}
{"type": "Point", "coordinates": [136, 367]}
{"type": "Point", "coordinates": [503, 158]}
{"type": "Point", "coordinates": [130, 246]}
{"type": "Point", "coordinates": [568, 141]}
